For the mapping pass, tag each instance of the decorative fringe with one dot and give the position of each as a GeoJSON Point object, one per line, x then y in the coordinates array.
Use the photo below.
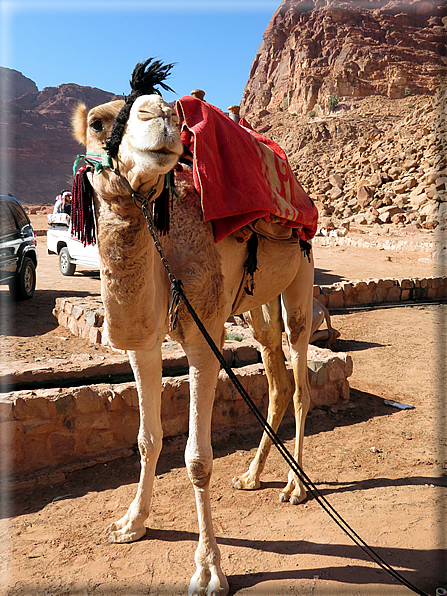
{"type": "Point", "coordinates": [163, 204]}
{"type": "Point", "coordinates": [82, 213]}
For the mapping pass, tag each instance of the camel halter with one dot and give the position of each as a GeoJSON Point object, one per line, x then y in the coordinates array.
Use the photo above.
{"type": "Point", "coordinates": [146, 77]}
{"type": "Point", "coordinates": [100, 161]}
{"type": "Point", "coordinates": [83, 220]}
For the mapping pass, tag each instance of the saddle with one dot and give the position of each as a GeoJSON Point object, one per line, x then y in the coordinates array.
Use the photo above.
{"type": "Point", "coordinates": [270, 230]}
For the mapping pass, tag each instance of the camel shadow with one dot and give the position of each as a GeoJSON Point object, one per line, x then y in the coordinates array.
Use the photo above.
{"type": "Point", "coordinates": [362, 406]}
{"type": "Point", "coordinates": [323, 277]}
{"type": "Point", "coordinates": [424, 568]}
{"type": "Point", "coordinates": [354, 486]}
{"type": "Point", "coordinates": [352, 345]}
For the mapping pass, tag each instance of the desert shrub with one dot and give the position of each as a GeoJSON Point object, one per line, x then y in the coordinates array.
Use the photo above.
{"type": "Point", "coordinates": [332, 101]}
{"type": "Point", "coordinates": [230, 335]}
{"type": "Point", "coordinates": [407, 91]}
{"type": "Point", "coordinates": [311, 114]}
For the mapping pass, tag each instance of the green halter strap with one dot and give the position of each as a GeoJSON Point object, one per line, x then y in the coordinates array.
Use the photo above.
{"type": "Point", "coordinates": [100, 161]}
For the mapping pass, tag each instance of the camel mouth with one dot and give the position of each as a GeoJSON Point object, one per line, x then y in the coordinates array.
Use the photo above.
{"type": "Point", "coordinates": [163, 151]}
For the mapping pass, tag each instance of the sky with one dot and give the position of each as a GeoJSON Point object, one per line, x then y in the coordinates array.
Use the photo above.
{"type": "Point", "coordinates": [97, 43]}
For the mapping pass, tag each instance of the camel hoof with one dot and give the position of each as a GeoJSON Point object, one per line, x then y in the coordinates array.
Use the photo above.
{"type": "Point", "coordinates": [283, 498]}
{"type": "Point", "coordinates": [208, 582]}
{"type": "Point", "coordinates": [245, 482]}
{"type": "Point", "coordinates": [124, 535]}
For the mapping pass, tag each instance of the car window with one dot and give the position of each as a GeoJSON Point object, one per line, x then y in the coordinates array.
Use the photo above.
{"type": "Point", "coordinates": [7, 221]}
{"type": "Point", "coordinates": [21, 217]}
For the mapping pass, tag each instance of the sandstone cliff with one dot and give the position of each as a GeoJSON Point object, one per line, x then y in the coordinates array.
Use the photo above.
{"type": "Point", "coordinates": [313, 50]}
{"type": "Point", "coordinates": [37, 149]}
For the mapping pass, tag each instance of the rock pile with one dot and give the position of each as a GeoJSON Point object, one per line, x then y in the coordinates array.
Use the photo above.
{"type": "Point", "coordinates": [375, 154]}
{"type": "Point", "coordinates": [398, 178]}
{"type": "Point", "coordinates": [381, 164]}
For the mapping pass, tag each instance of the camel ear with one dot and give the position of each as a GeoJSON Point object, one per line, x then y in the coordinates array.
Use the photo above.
{"type": "Point", "coordinates": [79, 123]}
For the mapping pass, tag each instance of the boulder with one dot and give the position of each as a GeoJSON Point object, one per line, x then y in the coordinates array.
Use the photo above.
{"type": "Point", "coordinates": [364, 196]}
{"type": "Point", "coordinates": [336, 180]}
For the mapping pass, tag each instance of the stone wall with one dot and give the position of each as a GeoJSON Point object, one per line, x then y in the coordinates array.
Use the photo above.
{"type": "Point", "coordinates": [346, 294]}
{"type": "Point", "coordinates": [85, 316]}
{"type": "Point", "coordinates": [49, 430]}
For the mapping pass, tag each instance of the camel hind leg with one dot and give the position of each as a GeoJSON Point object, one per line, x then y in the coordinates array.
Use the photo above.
{"type": "Point", "coordinates": [267, 328]}
{"type": "Point", "coordinates": [297, 306]}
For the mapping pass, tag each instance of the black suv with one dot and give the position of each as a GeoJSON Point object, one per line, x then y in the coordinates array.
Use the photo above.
{"type": "Point", "coordinates": [18, 249]}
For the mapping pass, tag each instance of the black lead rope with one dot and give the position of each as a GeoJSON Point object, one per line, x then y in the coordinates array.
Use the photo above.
{"type": "Point", "coordinates": [177, 294]}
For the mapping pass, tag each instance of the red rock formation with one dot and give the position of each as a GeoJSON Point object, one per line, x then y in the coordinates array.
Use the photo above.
{"type": "Point", "coordinates": [37, 149]}
{"type": "Point", "coordinates": [312, 50]}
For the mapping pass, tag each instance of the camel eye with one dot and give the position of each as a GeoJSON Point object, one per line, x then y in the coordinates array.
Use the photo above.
{"type": "Point", "coordinates": [96, 125]}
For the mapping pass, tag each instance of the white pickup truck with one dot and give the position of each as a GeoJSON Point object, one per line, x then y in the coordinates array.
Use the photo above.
{"type": "Point", "coordinates": [71, 251]}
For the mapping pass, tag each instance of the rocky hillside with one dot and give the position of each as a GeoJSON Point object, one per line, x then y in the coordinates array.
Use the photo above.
{"type": "Point", "coordinates": [382, 163]}
{"type": "Point", "coordinates": [376, 155]}
{"type": "Point", "coordinates": [37, 149]}
{"type": "Point", "coordinates": [313, 50]}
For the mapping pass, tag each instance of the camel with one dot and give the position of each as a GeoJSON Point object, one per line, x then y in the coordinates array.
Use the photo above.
{"type": "Point", "coordinates": [136, 294]}
{"type": "Point", "coordinates": [329, 335]}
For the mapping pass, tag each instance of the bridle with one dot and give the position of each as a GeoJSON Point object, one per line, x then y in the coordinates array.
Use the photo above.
{"type": "Point", "coordinates": [102, 161]}
{"type": "Point", "coordinates": [98, 162]}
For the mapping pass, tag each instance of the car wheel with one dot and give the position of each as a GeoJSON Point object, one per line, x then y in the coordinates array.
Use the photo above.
{"type": "Point", "coordinates": [65, 265]}
{"type": "Point", "coordinates": [26, 281]}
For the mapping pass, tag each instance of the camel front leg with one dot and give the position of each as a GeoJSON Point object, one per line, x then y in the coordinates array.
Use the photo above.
{"type": "Point", "coordinates": [147, 368]}
{"type": "Point", "coordinates": [267, 328]}
{"type": "Point", "coordinates": [208, 579]}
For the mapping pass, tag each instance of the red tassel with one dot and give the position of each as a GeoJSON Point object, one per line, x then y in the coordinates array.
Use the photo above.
{"type": "Point", "coordinates": [82, 213]}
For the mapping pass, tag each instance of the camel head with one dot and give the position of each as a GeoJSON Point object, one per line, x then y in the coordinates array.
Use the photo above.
{"type": "Point", "coordinates": [140, 135]}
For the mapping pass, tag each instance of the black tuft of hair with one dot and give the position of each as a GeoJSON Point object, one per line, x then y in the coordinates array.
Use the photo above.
{"type": "Point", "coordinates": [116, 135]}
{"type": "Point", "coordinates": [146, 75]}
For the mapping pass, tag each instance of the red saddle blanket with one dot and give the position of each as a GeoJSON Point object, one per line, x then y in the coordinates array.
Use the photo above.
{"type": "Point", "coordinates": [240, 175]}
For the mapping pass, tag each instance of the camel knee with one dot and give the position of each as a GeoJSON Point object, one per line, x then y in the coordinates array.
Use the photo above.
{"type": "Point", "coordinates": [199, 472]}
{"type": "Point", "coordinates": [301, 400]}
{"type": "Point", "coordinates": [149, 447]}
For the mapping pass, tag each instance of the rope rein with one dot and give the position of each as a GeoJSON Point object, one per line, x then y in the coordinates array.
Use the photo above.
{"type": "Point", "coordinates": [177, 293]}
{"type": "Point", "coordinates": [145, 77]}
